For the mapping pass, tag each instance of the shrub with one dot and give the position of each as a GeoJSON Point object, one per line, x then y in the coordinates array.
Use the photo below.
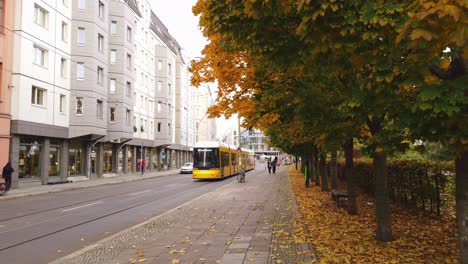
{"type": "Point", "coordinates": [412, 182]}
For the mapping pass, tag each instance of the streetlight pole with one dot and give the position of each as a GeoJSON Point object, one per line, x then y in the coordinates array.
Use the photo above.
{"type": "Point", "coordinates": [239, 142]}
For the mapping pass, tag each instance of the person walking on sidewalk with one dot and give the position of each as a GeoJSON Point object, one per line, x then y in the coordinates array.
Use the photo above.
{"type": "Point", "coordinates": [269, 165]}
{"type": "Point", "coordinates": [6, 174]}
{"type": "Point", "coordinates": [143, 166]}
{"type": "Point", "coordinates": [273, 164]}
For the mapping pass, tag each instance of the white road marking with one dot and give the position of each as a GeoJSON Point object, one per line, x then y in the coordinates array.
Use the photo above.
{"type": "Point", "coordinates": [78, 207]}
{"type": "Point", "coordinates": [139, 192]}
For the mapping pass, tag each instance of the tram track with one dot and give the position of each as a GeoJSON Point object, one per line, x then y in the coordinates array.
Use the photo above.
{"type": "Point", "coordinates": [98, 217]}
{"type": "Point", "coordinates": [82, 202]}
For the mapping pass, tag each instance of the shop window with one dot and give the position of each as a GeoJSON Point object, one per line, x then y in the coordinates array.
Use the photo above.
{"type": "Point", "coordinates": [29, 158]}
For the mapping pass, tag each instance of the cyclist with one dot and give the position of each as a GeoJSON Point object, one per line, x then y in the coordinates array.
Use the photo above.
{"type": "Point", "coordinates": [6, 174]}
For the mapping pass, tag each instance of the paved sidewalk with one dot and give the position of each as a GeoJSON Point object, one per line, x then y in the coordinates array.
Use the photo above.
{"type": "Point", "coordinates": [36, 188]}
{"type": "Point", "coordinates": [238, 223]}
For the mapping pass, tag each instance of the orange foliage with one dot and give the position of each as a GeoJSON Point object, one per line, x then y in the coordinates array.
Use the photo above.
{"type": "Point", "coordinates": [233, 75]}
{"type": "Point", "coordinates": [342, 238]}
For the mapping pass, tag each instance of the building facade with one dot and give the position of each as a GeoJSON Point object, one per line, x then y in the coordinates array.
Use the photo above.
{"type": "Point", "coordinates": [6, 65]}
{"type": "Point", "coordinates": [205, 128]}
{"type": "Point", "coordinates": [94, 91]}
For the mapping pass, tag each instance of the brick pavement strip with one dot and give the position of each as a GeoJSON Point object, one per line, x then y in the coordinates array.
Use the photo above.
{"type": "Point", "coordinates": [237, 223]}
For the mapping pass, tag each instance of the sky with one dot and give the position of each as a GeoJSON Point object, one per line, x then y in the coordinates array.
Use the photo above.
{"type": "Point", "coordinates": [183, 26]}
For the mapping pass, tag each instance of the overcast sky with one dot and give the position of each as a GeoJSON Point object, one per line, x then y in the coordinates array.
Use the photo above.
{"type": "Point", "coordinates": [182, 24]}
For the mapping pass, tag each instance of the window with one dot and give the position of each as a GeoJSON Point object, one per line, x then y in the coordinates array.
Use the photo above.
{"type": "Point", "coordinates": [127, 117]}
{"type": "Point", "coordinates": [39, 56]}
{"type": "Point", "coordinates": [129, 61]}
{"type": "Point", "coordinates": [64, 32]}
{"type": "Point", "coordinates": [79, 105]}
{"type": "Point", "coordinates": [142, 103]}
{"type": "Point", "coordinates": [169, 129]}
{"type": "Point", "coordinates": [169, 68]}
{"type": "Point", "coordinates": [62, 103]}
{"type": "Point", "coordinates": [101, 10]}
{"type": "Point", "coordinates": [100, 75]}
{"type": "Point", "coordinates": [159, 86]}
{"type": "Point", "coordinates": [63, 68]}
{"type": "Point", "coordinates": [159, 107]}
{"type": "Point", "coordinates": [80, 71]}
{"type": "Point", "coordinates": [151, 127]}
{"type": "Point", "coordinates": [99, 109]}
{"type": "Point", "coordinates": [129, 34]}
{"type": "Point", "coordinates": [100, 42]}
{"type": "Point", "coordinates": [168, 88]}
{"type": "Point", "coordinates": [112, 86]}
{"type": "Point", "coordinates": [159, 65]}
{"type": "Point", "coordinates": [81, 4]}
{"type": "Point", "coordinates": [81, 36]}
{"type": "Point", "coordinates": [40, 16]}
{"type": "Point", "coordinates": [37, 96]}
{"type": "Point", "coordinates": [113, 56]}
{"type": "Point", "coordinates": [159, 126]}
{"type": "Point", "coordinates": [129, 89]}
{"type": "Point", "coordinates": [112, 114]}
{"type": "Point", "coordinates": [113, 28]}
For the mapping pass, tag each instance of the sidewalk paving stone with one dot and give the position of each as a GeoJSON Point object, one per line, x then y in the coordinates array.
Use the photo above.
{"type": "Point", "coordinates": [237, 223]}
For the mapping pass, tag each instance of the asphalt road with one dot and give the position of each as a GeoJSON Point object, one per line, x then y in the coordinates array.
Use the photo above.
{"type": "Point", "coordinates": [39, 229]}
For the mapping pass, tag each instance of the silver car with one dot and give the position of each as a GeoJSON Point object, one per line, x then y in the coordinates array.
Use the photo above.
{"type": "Point", "coordinates": [186, 168]}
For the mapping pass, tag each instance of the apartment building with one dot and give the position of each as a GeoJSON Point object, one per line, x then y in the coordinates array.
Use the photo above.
{"type": "Point", "coordinates": [123, 19]}
{"type": "Point", "coordinates": [40, 96]}
{"type": "Point", "coordinates": [184, 120]}
{"type": "Point", "coordinates": [93, 90]}
{"type": "Point", "coordinates": [205, 128]}
{"type": "Point", "coordinates": [6, 63]}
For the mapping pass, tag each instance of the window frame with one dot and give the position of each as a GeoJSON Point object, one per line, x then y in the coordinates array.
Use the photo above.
{"type": "Point", "coordinates": [35, 92]}
{"type": "Point", "coordinates": [112, 114]}
{"type": "Point", "coordinates": [112, 85]}
{"type": "Point", "coordinates": [81, 107]}
{"type": "Point", "coordinates": [62, 103]}
{"type": "Point", "coordinates": [80, 65]}
{"type": "Point", "coordinates": [99, 108]}
{"type": "Point", "coordinates": [113, 28]}
{"type": "Point", "coordinates": [37, 10]}
{"type": "Point", "coordinates": [79, 41]}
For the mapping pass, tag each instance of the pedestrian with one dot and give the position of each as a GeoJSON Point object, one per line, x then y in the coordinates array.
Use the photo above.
{"type": "Point", "coordinates": [273, 164]}
{"type": "Point", "coordinates": [269, 165]}
{"type": "Point", "coordinates": [143, 166]}
{"type": "Point", "coordinates": [6, 174]}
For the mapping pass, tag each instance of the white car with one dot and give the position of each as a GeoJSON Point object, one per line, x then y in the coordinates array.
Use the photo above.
{"type": "Point", "coordinates": [186, 168]}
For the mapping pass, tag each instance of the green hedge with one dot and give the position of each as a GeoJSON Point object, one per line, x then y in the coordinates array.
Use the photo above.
{"type": "Point", "coordinates": [429, 185]}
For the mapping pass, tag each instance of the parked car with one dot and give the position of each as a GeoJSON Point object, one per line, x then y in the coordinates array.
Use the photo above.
{"type": "Point", "coordinates": [186, 168]}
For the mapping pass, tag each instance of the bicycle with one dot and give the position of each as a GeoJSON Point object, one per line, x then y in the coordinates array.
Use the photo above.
{"type": "Point", "coordinates": [241, 176]}
{"type": "Point", "coordinates": [3, 187]}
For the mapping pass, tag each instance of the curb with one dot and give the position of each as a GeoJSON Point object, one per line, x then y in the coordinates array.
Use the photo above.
{"type": "Point", "coordinates": [34, 193]}
{"type": "Point", "coordinates": [120, 233]}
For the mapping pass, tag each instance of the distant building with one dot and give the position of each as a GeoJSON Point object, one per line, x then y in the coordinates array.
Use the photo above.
{"type": "Point", "coordinates": [251, 139]}
{"type": "Point", "coordinates": [205, 128]}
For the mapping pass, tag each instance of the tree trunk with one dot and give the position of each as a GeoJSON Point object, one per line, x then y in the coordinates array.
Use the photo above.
{"type": "Point", "coordinates": [323, 171]}
{"type": "Point", "coordinates": [352, 203]}
{"type": "Point", "coordinates": [316, 167]}
{"type": "Point", "coordinates": [382, 208]}
{"type": "Point", "coordinates": [461, 186]}
{"type": "Point", "coordinates": [295, 161]}
{"type": "Point", "coordinates": [334, 170]}
{"type": "Point", "coordinates": [302, 163]}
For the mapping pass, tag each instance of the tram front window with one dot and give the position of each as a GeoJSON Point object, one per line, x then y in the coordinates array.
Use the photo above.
{"type": "Point", "coordinates": [205, 158]}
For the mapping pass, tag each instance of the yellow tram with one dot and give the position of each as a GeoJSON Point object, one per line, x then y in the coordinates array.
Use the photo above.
{"type": "Point", "coordinates": [216, 160]}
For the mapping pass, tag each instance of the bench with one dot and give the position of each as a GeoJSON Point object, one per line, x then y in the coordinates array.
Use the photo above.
{"type": "Point", "coordinates": [337, 194]}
